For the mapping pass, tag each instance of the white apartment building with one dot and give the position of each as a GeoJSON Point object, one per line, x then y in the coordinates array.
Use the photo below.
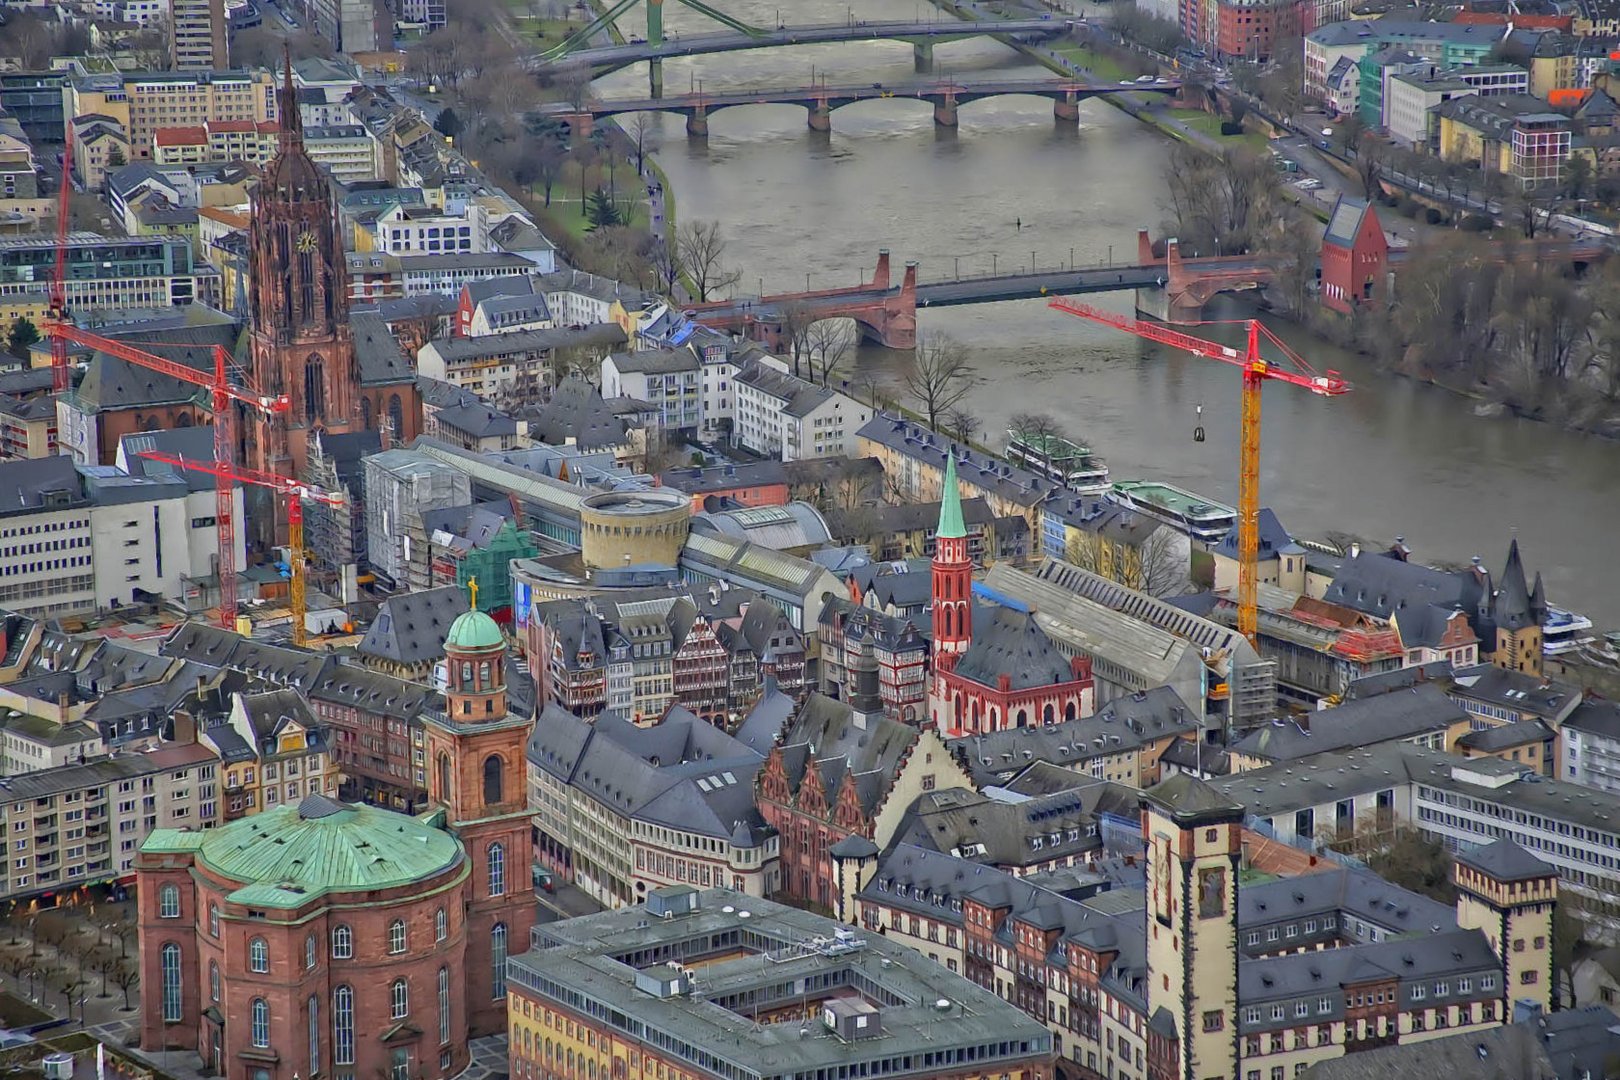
{"type": "Point", "coordinates": [667, 379]}
{"type": "Point", "coordinates": [82, 824]}
{"type": "Point", "coordinates": [348, 151]}
{"type": "Point", "coordinates": [446, 274]}
{"type": "Point", "coordinates": [779, 415]}
{"type": "Point", "coordinates": [1589, 742]}
{"type": "Point", "coordinates": [1464, 803]}
{"type": "Point", "coordinates": [79, 539]}
{"type": "Point", "coordinates": [580, 299]}
{"type": "Point", "coordinates": [1409, 98]}
{"type": "Point", "coordinates": [461, 229]}
{"type": "Point", "coordinates": [139, 12]}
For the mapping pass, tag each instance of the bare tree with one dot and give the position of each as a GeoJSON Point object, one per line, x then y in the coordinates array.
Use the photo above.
{"type": "Point", "coordinates": [961, 424]}
{"type": "Point", "coordinates": [878, 395]}
{"type": "Point", "coordinates": [103, 961]}
{"type": "Point", "coordinates": [642, 124]}
{"type": "Point", "coordinates": [126, 978]}
{"type": "Point", "coordinates": [1035, 428]}
{"type": "Point", "coordinates": [830, 340]}
{"type": "Point", "coordinates": [573, 81]}
{"type": "Point", "coordinates": [666, 267]}
{"type": "Point", "coordinates": [797, 319]}
{"type": "Point", "coordinates": [702, 249]}
{"type": "Point", "coordinates": [939, 377]}
{"type": "Point", "coordinates": [1159, 565]}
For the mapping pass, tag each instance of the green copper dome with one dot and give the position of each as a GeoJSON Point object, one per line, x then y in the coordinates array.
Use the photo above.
{"type": "Point", "coordinates": [288, 856]}
{"type": "Point", "coordinates": [475, 630]}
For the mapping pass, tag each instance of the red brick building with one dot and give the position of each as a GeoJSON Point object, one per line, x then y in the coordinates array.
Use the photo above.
{"type": "Point", "coordinates": [476, 772]}
{"type": "Point", "coordinates": [345, 941]}
{"type": "Point", "coordinates": [834, 772]}
{"type": "Point", "coordinates": [321, 939]}
{"type": "Point", "coordinates": [1005, 672]}
{"type": "Point", "coordinates": [1355, 256]}
{"type": "Point", "coordinates": [338, 376]}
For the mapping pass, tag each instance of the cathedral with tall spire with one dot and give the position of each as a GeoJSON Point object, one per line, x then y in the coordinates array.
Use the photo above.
{"type": "Point", "coordinates": [340, 372]}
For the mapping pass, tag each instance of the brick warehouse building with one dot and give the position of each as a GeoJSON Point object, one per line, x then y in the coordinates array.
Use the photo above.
{"type": "Point", "coordinates": [348, 941]}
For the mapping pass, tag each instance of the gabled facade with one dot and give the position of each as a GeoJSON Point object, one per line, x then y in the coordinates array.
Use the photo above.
{"type": "Point", "coordinates": [832, 773]}
{"type": "Point", "coordinates": [1355, 256]}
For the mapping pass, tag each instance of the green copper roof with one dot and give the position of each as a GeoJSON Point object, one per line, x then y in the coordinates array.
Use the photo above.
{"type": "Point", "coordinates": [950, 503]}
{"type": "Point", "coordinates": [475, 630]}
{"type": "Point", "coordinates": [288, 856]}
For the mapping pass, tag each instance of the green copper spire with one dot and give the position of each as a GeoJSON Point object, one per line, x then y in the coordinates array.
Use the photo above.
{"type": "Point", "coordinates": [950, 504]}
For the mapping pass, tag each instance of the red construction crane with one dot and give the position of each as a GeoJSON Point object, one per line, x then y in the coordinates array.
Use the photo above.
{"type": "Point", "coordinates": [223, 394]}
{"type": "Point", "coordinates": [57, 313]}
{"type": "Point", "coordinates": [1256, 373]}
{"type": "Point", "coordinates": [295, 492]}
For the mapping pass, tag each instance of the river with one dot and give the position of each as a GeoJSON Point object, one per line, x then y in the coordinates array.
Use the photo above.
{"type": "Point", "coordinates": [1392, 458]}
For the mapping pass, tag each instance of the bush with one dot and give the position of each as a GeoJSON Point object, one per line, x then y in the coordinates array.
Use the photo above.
{"type": "Point", "coordinates": [1231, 127]}
{"type": "Point", "coordinates": [1407, 208]}
{"type": "Point", "coordinates": [1433, 216]}
{"type": "Point", "coordinates": [1476, 223]}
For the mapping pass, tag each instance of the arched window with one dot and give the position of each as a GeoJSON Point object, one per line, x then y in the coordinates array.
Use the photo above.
{"type": "Point", "coordinates": [183, 421]}
{"type": "Point", "coordinates": [493, 770]}
{"type": "Point", "coordinates": [1023, 718]}
{"type": "Point", "coordinates": [258, 956]}
{"type": "Point", "coordinates": [497, 960]}
{"type": "Point", "coordinates": [466, 675]}
{"type": "Point", "coordinates": [169, 959]}
{"type": "Point", "coordinates": [261, 1022]}
{"type": "Point", "coordinates": [213, 981]}
{"type": "Point", "coordinates": [444, 1005]}
{"type": "Point", "coordinates": [444, 776]}
{"type": "Point", "coordinates": [213, 920]}
{"type": "Point", "coordinates": [399, 1000]}
{"type": "Point", "coordinates": [396, 937]}
{"type": "Point", "coordinates": [396, 417]}
{"type": "Point", "coordinates": [314, 1020]}
{"type": "Point", "coordinates": [497, 870]}
{"type": "Point", "coordinates": [314, 387]}
{"type": "Point", "coordinates": [343, 1026]}
{"type": "Point", "coordinates": [367, 420]}
{"type": "Point", "coordinates": [1069, 711]}
{"type": "Point", "coordinates": [483, 675]}
{"type": "Point", "coordinates": [441, 925]}
{"type": "Point", "coordinates": [169, 902]}
{"type": "Point", "coordinates": [342, 943]}
{"type": "Point", "coordinates": [1048, 714]}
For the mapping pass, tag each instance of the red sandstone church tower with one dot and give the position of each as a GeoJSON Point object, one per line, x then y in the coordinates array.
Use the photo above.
{"type": "Point", "coordinates": [477, 778]}
{"type": "Point", "coordinates": [952, 576]}
{"type": "Point", "coordinates": [302, 344]}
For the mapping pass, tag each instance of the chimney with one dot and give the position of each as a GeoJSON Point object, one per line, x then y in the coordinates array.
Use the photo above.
{"type": "Point", "coordinates": [62, 708]}
{"type": "Point", "coordinates": [1355, 550]}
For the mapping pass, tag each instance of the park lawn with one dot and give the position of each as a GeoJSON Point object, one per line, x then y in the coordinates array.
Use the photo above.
{"type": "Point", "coordinates": [1209, 124]}
{"type": "Point", "coordinates": [16, 1012]}
{"type": "Point", "coordinates": [548, 32]}
{"type": "Point", "coordinates": [1099, 64]}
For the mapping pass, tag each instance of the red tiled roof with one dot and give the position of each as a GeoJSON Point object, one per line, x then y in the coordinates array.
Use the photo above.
{"type": "Point", "coordinates": [180, 136]}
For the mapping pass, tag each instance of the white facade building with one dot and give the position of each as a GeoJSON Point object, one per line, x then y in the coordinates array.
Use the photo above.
{"type": "Point", "coordinates": [668, 379]}
{"type": "Point", "coordinates": [782, 416]}
{"type": "Point", "coordinates": [462, 229]}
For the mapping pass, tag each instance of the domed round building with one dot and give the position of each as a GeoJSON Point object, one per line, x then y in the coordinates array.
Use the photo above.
{"type": "Point", "coordinates": [345, 941]}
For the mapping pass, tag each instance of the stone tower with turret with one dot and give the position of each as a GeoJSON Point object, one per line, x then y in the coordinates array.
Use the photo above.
{"type": "Point", "coordinates": [476, 778]}
{"type": "Point", "coordinates": [1511, 895]}
{"type": "Point", "coordinates": [1194, 837]}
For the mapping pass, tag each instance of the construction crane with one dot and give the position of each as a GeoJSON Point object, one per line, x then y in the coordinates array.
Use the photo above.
{"type": "Point", "coordinates": [295, 492]}
{"type": "Point", "coordinates": [1256, 373]}
{"type": "Point", "coordinates": [223, 392]}
{"type": "Point", "coordinates": [56, 314]}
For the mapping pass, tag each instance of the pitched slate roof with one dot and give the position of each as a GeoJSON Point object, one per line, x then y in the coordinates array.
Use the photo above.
{"type": "Point", "coordinates": [577, 415]}
{"type": "Point", "coordinates": [112, 383]}
{"type": "Point", "coordinates": [1123, 724]}
{"type": "Point", "coordinates": [410, 628]}
{"type": "Point", "coordinates": [1397, 715]}
{"type": "Point", "coordinates": [1505, 860]}
{"type": "Point", "coordinates": [377, 353]}
{"type": "Point", "coordinates": [683, 772]}
{"type": "Point", "coordinates": [1008, 643]}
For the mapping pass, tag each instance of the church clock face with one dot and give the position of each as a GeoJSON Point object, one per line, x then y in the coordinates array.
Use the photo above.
{"type": "Point", "coordinates": [306, 241]}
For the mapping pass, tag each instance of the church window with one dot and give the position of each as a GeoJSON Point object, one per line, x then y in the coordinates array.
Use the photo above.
{"type": "Point", "coordinates": [493, 779]}
{"type": "Point", "coordinates": [444, 775]}
{"type": "Point", "coordinates": [497, 870]}
{"type": "Point", "coordinates": [396, 416]}
{"type": "Point", "coordinates": [314, 387]}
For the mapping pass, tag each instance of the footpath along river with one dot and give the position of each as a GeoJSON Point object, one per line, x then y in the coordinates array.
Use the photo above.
{"type": "Point", "coordinates": [1010, 184]}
